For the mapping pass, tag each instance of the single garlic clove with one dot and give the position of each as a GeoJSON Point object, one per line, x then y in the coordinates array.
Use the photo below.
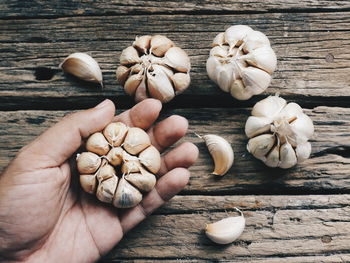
{"type": "Point", "coordinates": [254, 40]}
{"type": "Point", "coordinates": [132, 83]}
{"type": "Point", "coordinates": [259, 146]}
{"type": "Point", "coordinates": [106, 189]}
{"type": "Point", "coordinates": [129, 56]}
{"type": "Point", "coordinates": [142, 43]}
{"type": "Point", "coordinates": [303, 127]}
{"type": "Point", "coordinates": [145, 181]}
{"type": "Point", "coordinates": [160, 44]}
{"type": "Point", "coordinates": [273, 158]}
{"type": "Point", "coordinates": [159, 85]}
{"type": "Point", "coordinates": [219, 40]}
{"type": "Point", "coordinates": [122, 74]}
{"type": "Point", "coordinates": [225, 76]}
{"type": "Point", "coordinates": [263, 58]}
{"type": "Point", "coordinates": [88, 162]}
{"type": "Point", "coordinates": [234, 35]}
{"type": "Point", "coordinates": [226, 230]}
{"type": "Point", "coordinates": [239, 91]}
{"type": "Point", "coordinates": [131, 166]}
{"type": "Point", "coordinates": [290, 112]}
{"type": "Point", "coordinates": [177, 58]}
{"type": "Point", "coordinates": [105, 172]}
{"type": "Point", "coordinates": [115, 156]}
{"type": "Point", "coordinates": [97, 143]}
{"type": "Point", "coordinates": [136, 141]}
{"type": "Point", "coordinates": [255, 79]}
{"type": "Point", "coordinates": [150, 158]}
{"type": "Point", "coordinates": [141, 91]}
{"type": "Point", "coordinates": [287, 156]}
{"type": "Point", "coordinates": [82, 66]}
{"type": "Point", "coordinates": [221, 152]}
{"type": "Point", "coordinates": [257, 125]}
{"type": "Point", "coordinates": [115, 133]}
{"type": "Point", "coordinates": [269, 107]}
{"type": "Point", "coordinates": [88, 183]}
{"type": "Point", "coordinates": [303, 151]}
{"type": "Point", "coordinates": [219, 51]}
{"type": "Point", "coordinates": [213, 65]}
{"type": "Point", "coordinates": [126, 195]}
{"type": "Point", "coordinates": [181, 82]}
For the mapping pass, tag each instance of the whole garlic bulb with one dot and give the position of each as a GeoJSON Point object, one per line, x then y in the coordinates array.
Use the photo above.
{"type": "Point", "coordinates": [241, 61]}
{"type": "Point", "coordinates": [279, 132]}
{"type": "Point", "coordinates": [120, 164]}
{"type": "Point", "coordinates": [154, 67]}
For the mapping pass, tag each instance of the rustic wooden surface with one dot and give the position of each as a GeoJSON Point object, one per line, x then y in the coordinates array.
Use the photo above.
{"type": "Point", "coordinates": [296, 215]}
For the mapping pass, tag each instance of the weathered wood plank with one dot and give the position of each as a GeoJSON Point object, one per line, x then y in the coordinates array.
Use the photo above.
{"type": "Point", "coordinates": [277, 229]}
{"type": "Point", "coordinates": [312, 50]}
{"type": "Point", "coordinates": [15, 8]}
{"type": "Point", "coordinates": [327, 171]}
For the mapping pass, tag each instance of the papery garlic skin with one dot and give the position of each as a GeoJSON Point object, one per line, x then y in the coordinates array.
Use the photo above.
{"type": "Point", "coordinates": [279, 132]}
{"type": "Point", "coordinates": [119, 149]}
{"type": "Point", "coordinates": [154, 67]}
{"type": "Point", "coordinates": [241, 62]}
{"type": "Point", "coordinates": [82, 66]}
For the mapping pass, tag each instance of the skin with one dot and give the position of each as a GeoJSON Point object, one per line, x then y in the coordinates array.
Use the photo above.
{"type": "Point", "coordinates": [44, 214]}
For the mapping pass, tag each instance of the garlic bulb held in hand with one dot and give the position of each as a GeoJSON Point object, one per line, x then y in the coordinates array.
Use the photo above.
{"type": "Point", "coordinates": [241, 62]}
{"type": "Point", "coordinates": [82, 66]}
{"type": "Point", "coordinates": [120, 165]}
{"type": "Point", "coordinates": [279, 132]}
{"type": "Point", "coordinates": [221, 152]}
{"type": "Point", "coordinates": [226, 230]}
{"type": "Point", "coordinates": [154, 67]}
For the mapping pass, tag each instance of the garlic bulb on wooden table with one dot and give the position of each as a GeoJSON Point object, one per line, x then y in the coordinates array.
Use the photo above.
{"type": "Point", "coordinates": [241, 62]}
{"type": "Point", "coordinates": [154, 67]}
{"type": "Point", "coordinates": [279, 132]}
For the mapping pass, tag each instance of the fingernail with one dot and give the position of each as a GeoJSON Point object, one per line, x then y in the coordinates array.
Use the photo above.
{"type": "Point", "coordinates": [102, 104]}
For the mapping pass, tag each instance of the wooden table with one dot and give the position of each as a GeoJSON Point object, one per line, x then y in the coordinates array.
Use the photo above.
{"type": "Point", "coordinates": [296, 215]}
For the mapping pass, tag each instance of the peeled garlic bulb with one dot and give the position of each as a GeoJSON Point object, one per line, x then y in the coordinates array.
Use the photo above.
{"type": "Point", "coordinates": [154, 67]}
{"type": "Point", "coordinates": [279, 132]}
{"type": "Point", "coordinates": [120, 164]}
{"type": "Point", "coordinates": [226, 230]}
{"type": "Point", "coordinates": [82, 66]}
{"type": "Point", "coordinates": [241, 62]}
{"type": "Point", "coordinates": [221, 151]}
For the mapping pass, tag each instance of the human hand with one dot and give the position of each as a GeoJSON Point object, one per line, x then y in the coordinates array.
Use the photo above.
{"type": "Point", "coordinates": [45, 216]}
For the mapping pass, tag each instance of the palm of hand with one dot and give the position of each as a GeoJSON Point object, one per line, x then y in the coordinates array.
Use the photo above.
{"type": "Point", "coordinates": [45, 216]}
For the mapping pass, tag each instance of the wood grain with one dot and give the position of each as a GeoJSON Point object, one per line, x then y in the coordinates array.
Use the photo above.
{"type": "Point", "coordinates": [326, 171]}
{"type": "Point", "coordinates": [312, 51]}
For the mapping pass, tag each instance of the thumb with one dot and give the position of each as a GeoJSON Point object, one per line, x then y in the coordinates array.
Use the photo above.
{"type": "Point", "coordinates": [59, 142]}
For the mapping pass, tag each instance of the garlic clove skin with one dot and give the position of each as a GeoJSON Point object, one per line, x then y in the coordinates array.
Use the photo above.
{"type": "Point", "coordinates": [115, 156]}
{"type": "Point", "coordinates": [177, 58]}
{"type": "Point", "coordinates": [160, 44]}
{"type": "Point", "coordinates": [255, 79]}
{"type": "Point", "coordinates": [254, 40]}
{"type": "Point", "coordinates": [128, 56]}
{"type": "Point", "coordinates": [224, 77]}
{"type": "Point", "coordinates": [239, 91]}
{"type": "Point", "coordinates": [136, 141]}
{"type": "Point", "coordinates": [88, 182]}
{"type": "Point", "coordinates": [303, 151]}
{"type": "Point", "coordinates": [132, 83]}
{"type": "Point", "coordinates": [88, 162]}
{"type": "Point", "coordinates": [259, 146]}
{"type": "Point", "coordinates": [105, 172]}
{"type": "Point", "coordinates": [219, 51]}
{"type": "Point", "coordinates": [159, 85]}
{"type": "Point", "coordinates": [115, 133]}
{"type": "Point", "coordinates": [234, 35]}
{"type": "Point", "coordinates": [150, 158]}
{"type": "Point", "coordinates": [142, 43]}
{"type": "Point", "coordinates": [82, 66]}
{"type": "Point", "coordinates": [303, 128]}
{"type": "Point", "coordinates": [273, 158]}
{"type": "Point", "coordinates": [263, 58]}
{"type": "Point", "coordinates": [122, 74]}
{"type": "Point", "coordinates": [226, 230]}
{"type": "Point", "coordinates": [269, 107]}
{"type": "Point", "coordinates": [221, 152]}
{"type": "Point", "coordinates": [126, 195]}
{"type": "Point", "coordinates": [144, 181]}
{"type": "Point", "coordinates": [287, 156]}
{"type": "Point", "coordinates": [181, 82]}
{"type": "Point", "coordinates": [106, 189]}
{"type": "Point", "coordinates": [257, 125]}
{"type": "Point", "coordinates": [131, 166]}
{"type": "Point", "coordinates": [97, 143]}
{"type": "Point", "coordinates": [141, 91]}
{"type": "Point", "coordinates": [213, 65]}
{"type": "Point", "coordinates": [218, 40]}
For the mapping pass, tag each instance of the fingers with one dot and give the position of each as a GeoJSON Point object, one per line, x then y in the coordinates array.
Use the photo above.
{"type": "Point", "coordinates": [168, 131]}
{"type": "Point", "coordinates": [142, 115]}
{"type": "Point", "coordinates": [183, 155]}
{"type": "Point", "coordinates": [60, 141]}
{"type": "Point", "coordinates": [167, 186]}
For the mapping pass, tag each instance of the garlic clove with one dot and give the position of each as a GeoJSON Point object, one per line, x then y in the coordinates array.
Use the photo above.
{"type": "Point", "coordinates": [255, 79]}
{"type": "Point", "coordinates": [82, 66]}
{"type": "Point", "coordinates": [105, 172]}
{"type": "Point", "coordinates": [239, 91]}
{"type": "Point", "coordinates": [259, 146]}
{"type": "Point", "coordinates": [126, 195]}
{"type": "Point", "coordinates": [115, 156]}
{"type": "Point", "coordinates": [160, 44]}
{"type": "Point", "coordinates": [159, 85]}
{"type": "Point", "coordinates": [177, 58]}
{"type": "Point", "coordinates": [115, 133]}
{"type": "Point", "coordinates": [136, 141]}
{"type": "Point", "coordinates": [257, 125]}
{"type": "Point", "coordinates": [106, 189]}
{"type": "Point", "coordinates": [234, 35]}
{"type": "Point", "coordinates": [303, 127]}
{"type": "Point", "coordinates": [129, 56]}
{"type": "Point", "coordinates": [221, 152]}
{"type": "Point", "coordinates": [290, 112]}
{"type": "Point", "coordinates": [219, 51]}
{"type": "Point", "coordinates": [122, 74]}
{"type": "Point", "coordinates": [181, 82]}
{"type": "Point", "coordinates": [97, 143]}
{"type": "Point", "coordinates": [142, 43]}
{"type": "Point", "coordinates": [144, 182]}
{"type": "Point", "coordinates": [141, 91]}
{"type": "Point", "coordinates": [219, 40]}
{"type": "Point", "coordinates": [269, 107]}
{"type": "Point", "coordinates": [212, 66]}
{"type": "Point", "coordinates": [303, 151]}
{"type": "Point", "coordinates": [287, 156]}
{"type": "Point", "coordinates": [88, 162]}
{"type": "Point", "coordinates": [273, 158]}
{"type": "Point", "coordinates": [88, 183]}
{"type": "Point", "coordinates": [254, 40]}
{"type": "Point", "coordinates": [132, 83]}
{"type": "Point", "coordinates": [131, 166]}
{"type": "Point", "coordinates": [263, 58]}
{"type": "Point", "coordinates": [225, 77]}
{"type": "Point", "coordinates": [150, 158]}
{"type": "Point", "coordinates": [226, 230]}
